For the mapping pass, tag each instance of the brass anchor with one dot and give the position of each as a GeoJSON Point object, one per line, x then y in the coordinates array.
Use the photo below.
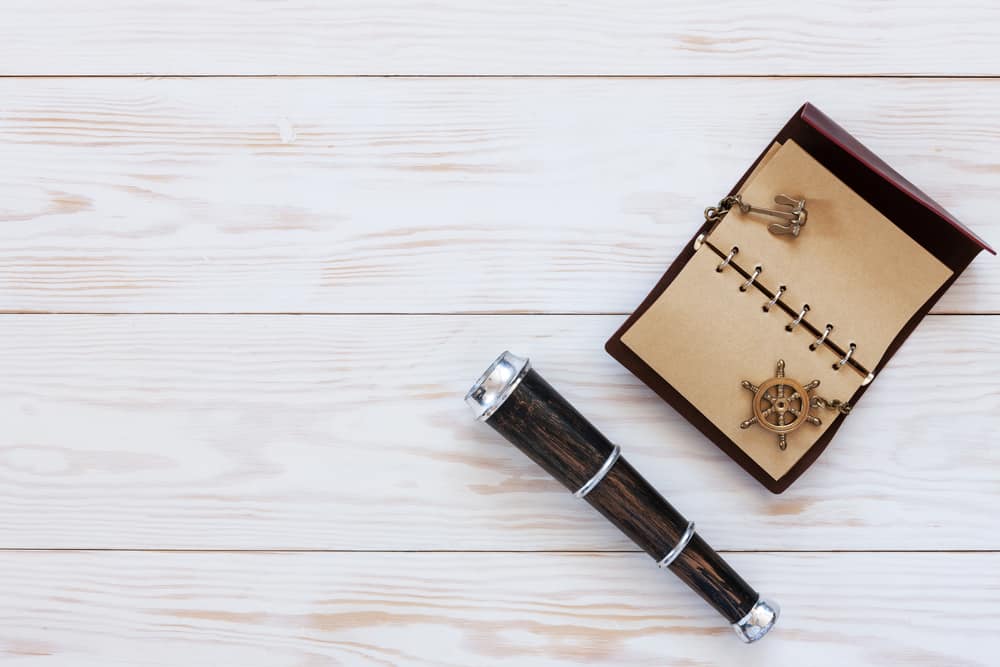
{"type": "Point", "coordinates": [793, 211]}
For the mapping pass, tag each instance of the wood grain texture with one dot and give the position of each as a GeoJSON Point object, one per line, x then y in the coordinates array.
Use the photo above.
{"type": "Point", "coordinates": [426, 195]}
{"type": "Point", "coordinates": [455, 196]}
{"type": "Point", "coordinates": [349, 432]}
{"type": "Point", "coordinates": [627, 500]}
{"type": "Point", "coordinates": [452, 610]}
{"type": "Point", "coordinates": [548, 429]}
{"type": "Point", "coordinates": [551, 432]}
{"type": "Point", "coordinates": [520, 37]}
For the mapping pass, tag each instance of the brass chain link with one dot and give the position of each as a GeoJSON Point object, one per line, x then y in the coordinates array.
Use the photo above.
{"type": "Point", "coordinates": [715, 213]}
{"type": "Point", "coordinates": [835, 404]}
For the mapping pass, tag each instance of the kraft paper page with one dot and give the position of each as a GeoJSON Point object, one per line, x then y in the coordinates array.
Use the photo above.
{"type": "Point", "coordinates": [704, 336]}
{"type": "Point", "coordinates": [851, 264]}
{"type": "Point", "coordinates": [854, 267]}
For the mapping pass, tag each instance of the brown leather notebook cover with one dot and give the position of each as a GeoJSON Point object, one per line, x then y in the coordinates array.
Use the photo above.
{"type": "Point", "coordinates": [903, 224]}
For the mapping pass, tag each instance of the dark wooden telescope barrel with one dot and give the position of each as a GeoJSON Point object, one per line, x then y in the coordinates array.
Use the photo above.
{"type": "Point", "coordinates": [520, 405]}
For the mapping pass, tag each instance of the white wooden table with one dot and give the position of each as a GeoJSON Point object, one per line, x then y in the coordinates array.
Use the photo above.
{"type": "Point", "coordinates": [254, 253]}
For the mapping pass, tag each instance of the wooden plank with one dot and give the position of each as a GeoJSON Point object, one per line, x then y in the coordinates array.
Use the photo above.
{"type": "Point", "coordinates": [349, 432]}
{"type": "Point", "coordinates": [426, 195]}
{"type": "Point", "coordinates": [448, 610]}
{"type": "Point", "coordinates": [636, 37]}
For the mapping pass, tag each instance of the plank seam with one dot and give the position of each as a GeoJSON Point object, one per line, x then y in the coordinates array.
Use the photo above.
{"type": "Point", "coordinates": [306, 313]}
{"type": "Point", "coordinates": [554, 552]}
{"type": "Point", "coordinates": [801, 75]}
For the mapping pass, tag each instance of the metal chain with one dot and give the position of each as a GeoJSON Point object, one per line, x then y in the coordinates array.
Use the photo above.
{"type": "Point", "coordinates": [835, 404]}
{"type": "Point", "coordinates": [715, 213]}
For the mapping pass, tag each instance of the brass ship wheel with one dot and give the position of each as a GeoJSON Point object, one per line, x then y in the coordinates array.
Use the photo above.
{"type": "Point", "coordinates": [781, 405]}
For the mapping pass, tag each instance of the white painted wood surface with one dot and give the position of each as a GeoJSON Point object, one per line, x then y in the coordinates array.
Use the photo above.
{"type": "Point", "coordinates": [91, 609]}
{"type": "Point", "coordinates": [349, 432]}
{"type": "Point", "coordinates": [517, 37]}
{"type": "Point", "coordinates": [425, 195]}
{"type": "Point", "coordinates": [194, 472]}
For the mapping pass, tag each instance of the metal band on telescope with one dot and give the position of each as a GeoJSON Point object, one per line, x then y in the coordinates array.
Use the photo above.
{"type": "Point", "coordinates": [596, 479]}
{"type": "Point", "coordinates": [679, 547]}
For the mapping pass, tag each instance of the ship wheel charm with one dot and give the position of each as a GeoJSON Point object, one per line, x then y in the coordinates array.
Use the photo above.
{"type": "Point", "coordinates": [781, 405]}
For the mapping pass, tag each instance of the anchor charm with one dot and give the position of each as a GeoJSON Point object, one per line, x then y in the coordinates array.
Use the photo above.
{"type": "Point", "coordinates": [792, 210]}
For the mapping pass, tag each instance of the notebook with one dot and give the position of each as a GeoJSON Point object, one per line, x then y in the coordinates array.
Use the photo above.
{"type": "Point", "coordinates": [829, 306]}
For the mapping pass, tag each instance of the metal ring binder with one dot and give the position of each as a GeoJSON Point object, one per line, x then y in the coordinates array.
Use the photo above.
{"type": "Point", "coordinates": [757, 270]}
{"type": "Point", "coordinates": [794, 323]}
{"type": "Point", "coordinates": [781, 290]}
{"type": "Point", "coordinates": [822, 339]}
{"type": "Point", "coordinates": [774, 299]}
{"type": "Point", "coordinates": [724, 263]}
{"type": "Point", "coordinates": [678, 548]}
{"type": "Point", "coordinates": [589, 485]}
{"type": "Point", "coordinates": [847, 356]}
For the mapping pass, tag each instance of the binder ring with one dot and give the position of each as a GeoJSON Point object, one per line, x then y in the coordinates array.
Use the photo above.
{"type": "Point", "coordinates": [774, 299]}
{"type": "Point", "coordinates": [794, 323]}
{"type": "Point", "coordinates": [724, 263]}
{"type": "Point", "coordinates": [822, 339]}
{"type": "Point", "coordinates": [756, 272]}
{"type": "Point", "coordinates": [847, 356]}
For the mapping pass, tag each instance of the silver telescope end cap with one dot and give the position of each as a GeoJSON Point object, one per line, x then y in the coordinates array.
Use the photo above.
{"type": "Point", "coordinates": [758, 621]}
{"type": "Point", "coordinates": [495, 385]}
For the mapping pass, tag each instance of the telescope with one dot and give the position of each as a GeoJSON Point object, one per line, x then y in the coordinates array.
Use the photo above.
{"type": "Point", "coordinates": [521, 406]}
